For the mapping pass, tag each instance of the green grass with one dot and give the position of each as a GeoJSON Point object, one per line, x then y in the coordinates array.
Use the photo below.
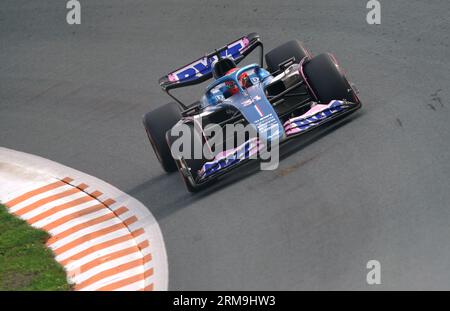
{"type": "Point", "coordinates": [25, 262]}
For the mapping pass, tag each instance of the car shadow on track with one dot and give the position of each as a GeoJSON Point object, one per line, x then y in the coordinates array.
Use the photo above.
{"type": "Point", "coordinates": [165, 194]}
{"type": "Point", "coordinates": [286, 151]}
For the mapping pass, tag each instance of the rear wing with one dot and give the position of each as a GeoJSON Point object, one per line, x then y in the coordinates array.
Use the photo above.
{"type": "Point", "coordinates": [200, 70]}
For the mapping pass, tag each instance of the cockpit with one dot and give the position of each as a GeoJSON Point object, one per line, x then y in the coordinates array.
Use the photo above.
{"type": "Point", "coordinates": [234, 81]}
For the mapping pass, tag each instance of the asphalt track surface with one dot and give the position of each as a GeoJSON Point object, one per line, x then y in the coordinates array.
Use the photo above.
{"type": "Point", "coordinates": [376, 187]}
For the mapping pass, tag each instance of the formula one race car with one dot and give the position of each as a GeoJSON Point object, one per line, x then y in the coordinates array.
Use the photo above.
{"type": "Point", "coordinates": [293, 95]}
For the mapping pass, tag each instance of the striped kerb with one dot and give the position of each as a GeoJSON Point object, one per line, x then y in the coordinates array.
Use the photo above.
{"type": "Point", "coordinates": [94, 242]}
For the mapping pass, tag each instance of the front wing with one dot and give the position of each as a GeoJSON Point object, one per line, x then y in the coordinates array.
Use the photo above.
{"type": "Point", "coordinates": [229, 160]}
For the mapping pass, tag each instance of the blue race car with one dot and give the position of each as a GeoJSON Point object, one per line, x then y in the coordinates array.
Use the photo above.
{"type": "Point", "coordinates": [294, 94]}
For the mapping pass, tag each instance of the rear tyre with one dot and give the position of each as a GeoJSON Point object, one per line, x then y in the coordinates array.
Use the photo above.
{"type": "Point", "coordinates": [157, 123]}
{"type": "Point", "coordinates": [284, 52]}
{"type": "Point", "coordinates": [327, 80]}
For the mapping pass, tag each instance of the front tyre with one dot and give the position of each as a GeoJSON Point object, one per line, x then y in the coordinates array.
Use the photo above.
{"type": "Point", "coordinates": [188, 163]}
{"type": "Point", "coordinates": [157, 123]}
{"type": "Point", "coordinates": [291, 49]}
{"type": "Point", "coordinates": [327, 81]}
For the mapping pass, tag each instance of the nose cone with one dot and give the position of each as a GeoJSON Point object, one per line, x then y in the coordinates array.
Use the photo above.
{"type": "Point", "coordinates": [258, 111]}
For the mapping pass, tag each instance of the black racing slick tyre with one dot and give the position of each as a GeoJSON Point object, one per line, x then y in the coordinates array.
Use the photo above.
{"type": "Point", "coordinates": [157, 123]}
{"type": "Point", "coordinates": [189, 164]}
{"type": "Point", "coordinates": [327, 80]}
{"type": "Point", "coordinates": [284, 52]}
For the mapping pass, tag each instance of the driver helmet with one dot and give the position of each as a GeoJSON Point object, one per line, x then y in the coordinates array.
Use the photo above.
{"type": "Point", "coordinates": [231, 86]}
{"type": "Point", "coordinates": [244, 80]}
